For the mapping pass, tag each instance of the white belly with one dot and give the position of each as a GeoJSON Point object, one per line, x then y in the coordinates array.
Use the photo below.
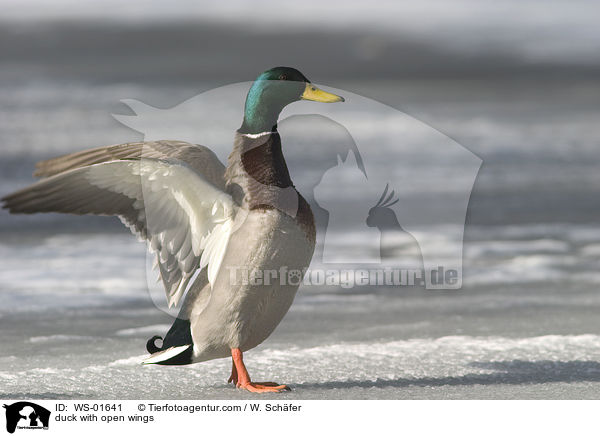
{"type": "Point", "coordinates": [260, 274]}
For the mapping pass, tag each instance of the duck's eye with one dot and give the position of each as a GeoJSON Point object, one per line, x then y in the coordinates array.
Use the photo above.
{"type": "Point", "coordinates": [283, 77]}
{"type": "Point", "coordinates": [312, 88]}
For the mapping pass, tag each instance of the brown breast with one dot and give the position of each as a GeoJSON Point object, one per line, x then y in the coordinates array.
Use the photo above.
{"type": "Point", "coordinates": [258, 168]}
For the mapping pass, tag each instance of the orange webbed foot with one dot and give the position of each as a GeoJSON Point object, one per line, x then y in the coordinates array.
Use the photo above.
{"type": "Point", "coordinates": [241, 378]}
{"type": "Point", "coordinates": [262, 387]}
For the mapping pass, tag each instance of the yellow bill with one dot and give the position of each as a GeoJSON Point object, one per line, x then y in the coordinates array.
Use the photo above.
{"type": "Point", "coordinates": [311, 92]}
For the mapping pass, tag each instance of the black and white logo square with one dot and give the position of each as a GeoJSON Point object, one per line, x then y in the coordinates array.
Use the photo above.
{"type": "Point", "coordinates": [26, 415]}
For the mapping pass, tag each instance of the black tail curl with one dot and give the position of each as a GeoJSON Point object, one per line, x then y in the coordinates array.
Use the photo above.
{"type": "Point", "coordinates": [151, 345]}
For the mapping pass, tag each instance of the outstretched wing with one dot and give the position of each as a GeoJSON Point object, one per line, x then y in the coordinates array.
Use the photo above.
{"type": "Point", "coordinates": [186, 219]}
{"type": "Point", "coordinates": [198, 157]}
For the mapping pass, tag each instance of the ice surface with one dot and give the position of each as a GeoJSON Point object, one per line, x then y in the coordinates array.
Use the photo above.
{"type": "Point", "coordinates": [524, 327]}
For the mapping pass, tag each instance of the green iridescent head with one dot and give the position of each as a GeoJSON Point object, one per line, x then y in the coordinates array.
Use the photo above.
{"type": "Point", "coordinates": [272, 91]}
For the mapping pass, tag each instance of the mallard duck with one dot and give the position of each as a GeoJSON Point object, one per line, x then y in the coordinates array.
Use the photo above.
{"type": "Point", "coordinates": [205, 222]}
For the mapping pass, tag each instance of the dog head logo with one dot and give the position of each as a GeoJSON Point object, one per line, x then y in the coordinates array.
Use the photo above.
{"type": "Point", "coordinates": [26, 415]}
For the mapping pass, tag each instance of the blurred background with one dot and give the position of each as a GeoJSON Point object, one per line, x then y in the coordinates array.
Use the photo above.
{"type": "Point", "coordinates": [515, 82]}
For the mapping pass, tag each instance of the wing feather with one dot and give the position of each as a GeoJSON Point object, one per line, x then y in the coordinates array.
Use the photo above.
{"type": "Point", "coordinates": [198, 157]}
{"type": "Point", "coordinates": [185, 218]}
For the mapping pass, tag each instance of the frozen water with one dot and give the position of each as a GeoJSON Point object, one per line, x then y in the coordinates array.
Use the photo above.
{"type": "Point", "coordinates": [523, 327]}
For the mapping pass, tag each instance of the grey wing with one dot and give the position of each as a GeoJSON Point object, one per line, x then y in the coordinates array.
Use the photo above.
{"type": "Point", "coordinates": [198, 157]}
{"type": "Point", "coordinates": [167, 203]}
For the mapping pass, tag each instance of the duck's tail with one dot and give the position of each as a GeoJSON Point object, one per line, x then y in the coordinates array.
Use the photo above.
{"type": "Point", "coordinates": [177, 347]}
{"type": "Point", "coordinates": [151, 344]}
{"type": "Point", "coordinates": [181, 355]}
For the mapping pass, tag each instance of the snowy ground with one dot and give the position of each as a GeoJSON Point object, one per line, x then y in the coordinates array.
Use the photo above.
{"type": "Point", "coordinates": [75, 334]}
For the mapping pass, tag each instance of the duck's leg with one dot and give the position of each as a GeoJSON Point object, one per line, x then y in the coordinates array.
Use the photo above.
{"type": "Point", "coordinates": [233, 377]}
{"type": "Point", "coordinates": [243, 378]}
